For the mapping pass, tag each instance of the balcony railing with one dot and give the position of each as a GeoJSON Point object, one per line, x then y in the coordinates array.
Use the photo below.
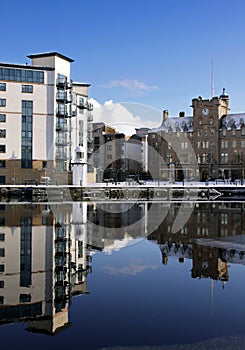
{"type": "Point", "coordinates": [61, 82]}
{"type": "Point", "coordinates": [62, 142]}
{"type": "Point", "coordinates": [63, 112]}
{"type": "Point", "coordinates": [82, 104]}
{"type": "Point", "coordinates": [61, 127]}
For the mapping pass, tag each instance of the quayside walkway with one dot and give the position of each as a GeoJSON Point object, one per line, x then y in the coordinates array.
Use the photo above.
{"type": "Point", "coordinates": [154, 190]}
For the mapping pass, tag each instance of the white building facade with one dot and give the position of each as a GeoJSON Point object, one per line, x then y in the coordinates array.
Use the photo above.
{"type": "Point", "coordinates": [43, 120]}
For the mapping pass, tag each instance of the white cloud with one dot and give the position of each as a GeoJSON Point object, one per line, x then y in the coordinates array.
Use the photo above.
{"type": "Point", "coordinates": [95, 103]}
{"type": "Point", "coordinates": [130, 84]}
{"type": "Point", "coordinates": [131, 269]}
{"type": "Point", "coordinates": [122, 118]}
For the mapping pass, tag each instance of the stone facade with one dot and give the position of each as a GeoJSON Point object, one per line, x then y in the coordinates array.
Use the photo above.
{"type": "Point", "coordinates": [209, 144]}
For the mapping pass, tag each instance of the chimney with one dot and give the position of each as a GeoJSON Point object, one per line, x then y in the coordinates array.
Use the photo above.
{"type": "Point", "coordinates": [165, 114]}
{"type": "Point", "coordinates": [181, 114]}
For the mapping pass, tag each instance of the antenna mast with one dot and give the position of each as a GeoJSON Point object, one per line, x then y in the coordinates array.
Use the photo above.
{"type": "Point", "coordinates": [212, 88]}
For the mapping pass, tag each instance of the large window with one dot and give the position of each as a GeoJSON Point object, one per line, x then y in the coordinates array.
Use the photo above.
{"type": "Point", "coordinates": [26, 135]}
{"type": "Point", "coordinates": [25, 75]}
{"type": "Point", "coordinates": [25, 251]}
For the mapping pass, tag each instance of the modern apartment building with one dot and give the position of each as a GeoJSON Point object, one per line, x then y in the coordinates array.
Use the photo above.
{"type": "Point", "coordinates": [44, 120]}
{"type": "Point", "coordinates": [209, 144]}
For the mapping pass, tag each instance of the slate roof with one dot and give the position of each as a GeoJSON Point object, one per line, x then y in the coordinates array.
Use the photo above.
{"type": "Point", "coordinates": [175, 123]}
{"type": "Point", "coordinates": [230, 120]}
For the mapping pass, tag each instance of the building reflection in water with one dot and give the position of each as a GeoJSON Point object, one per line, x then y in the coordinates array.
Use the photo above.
{"type": "Point", "coordinates": [43, 264]}
{"type": "Point", "coordinates": [46, 250]}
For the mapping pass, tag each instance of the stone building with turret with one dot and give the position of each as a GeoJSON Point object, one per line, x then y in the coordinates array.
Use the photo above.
{"type": "Point", "coordinates": [208, 144]}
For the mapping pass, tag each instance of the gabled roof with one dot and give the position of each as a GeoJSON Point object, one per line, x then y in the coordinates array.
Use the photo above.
{"type": "Point", "coordinates": [48, 54]}
{"type": "Point", "coordinates": [175, 123]}
{"type": "Point", "coordinates": [233, 120]}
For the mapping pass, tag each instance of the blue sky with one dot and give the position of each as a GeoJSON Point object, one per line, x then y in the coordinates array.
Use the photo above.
{"type": "Point", "coordinates": [157, 52]}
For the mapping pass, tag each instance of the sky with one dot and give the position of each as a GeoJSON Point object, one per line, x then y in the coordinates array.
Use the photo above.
{"type": "Point", "coordinates": [157, 53]}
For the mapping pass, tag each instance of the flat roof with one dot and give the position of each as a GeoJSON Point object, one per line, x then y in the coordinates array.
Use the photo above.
{"type": "Point", "coordinates": [24, 66]}
{"type": "Point", "coordinates": [81, 84]}
{"type": "Point", "coordinates": [48, 54]}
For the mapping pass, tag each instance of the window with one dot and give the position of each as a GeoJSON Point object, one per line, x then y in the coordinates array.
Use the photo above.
{"type": "Point", "coordinates": [183, 158]}
{"type": "Point", "coordinates": [205, 158]}
{"type": "Point", "coordinates": [2, 237]}
{"type": "Point", "coordinates": [224, 158]}
{"type": "Point", "coordinates": [2, 252]}
{"type": "Point", "coordinates": [96, 140]}
{"type": "Point", "coordinates": [13, 74]}
{"type": "Point", "coordinates": [2, 118]}
{"type": "Point", "coordinates": [2, 164]}
{"type": "Point", "coordinates": [224, 219]}
{"type": "Point", "coordinates": [25, 251]}
{"type": "Point", "coordinates": [1, 267]}
{"type": "Point", "coordinates": [243, 131]}
{"type": "Point", "coordinates": [233, 132]}
{"type": "Point", "coordinates": [2, 102]}
{"type": "Point", "coordinates": [224, 144]}
{"type": "Point", "coordinates": [212, 132]}
{"type": "Point", "coordinates": [1, 300]}
{"type": "Point", "coordinates": [1, 284]}
{"type": "Point", "coordinates": [109, 147]}
{"type": "Point", "coordinates": [27, 88]}
{"type": "Point", "coordinates": [2, 149]}
{"type": "Point", "coordinates": [109, 156]}
{"type": "Point", "coordinates": [25, 298]}
{"type": "Point", "coordinates": [26, 132]}
{"type": "Point", "coordinates": [2, 87]}
{"type": "Point", "coordinates": [224, 131]}
{"type": "Point", "coordinates": [199, 133]}
{"type": "Point", "coordinates": [2, 180]}
{"type": "Point", "coordinates": [243, 143]}
{"type": "Point", "coordinates": [234, 144]}
{"type": "Point", "coordinates": [2, 133]}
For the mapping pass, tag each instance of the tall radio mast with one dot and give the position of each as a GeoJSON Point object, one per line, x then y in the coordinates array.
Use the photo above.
{"type": "Point", "coordinates": [212, 87]}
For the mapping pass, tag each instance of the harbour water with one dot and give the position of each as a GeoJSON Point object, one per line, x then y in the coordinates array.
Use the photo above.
{"type": "Point", "coordinates": [119, 274]}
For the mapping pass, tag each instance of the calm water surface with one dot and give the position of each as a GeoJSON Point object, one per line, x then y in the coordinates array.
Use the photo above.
{"type": "Point", "coordinates": [117, 274]}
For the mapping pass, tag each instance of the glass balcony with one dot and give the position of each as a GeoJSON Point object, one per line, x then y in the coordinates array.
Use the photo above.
{"type": "Point", "coordinates": [61, 82]}
{"type": "Point", "coordinates": [61, 96]}
{"type": "Point", "coordinates": [61, 127]}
